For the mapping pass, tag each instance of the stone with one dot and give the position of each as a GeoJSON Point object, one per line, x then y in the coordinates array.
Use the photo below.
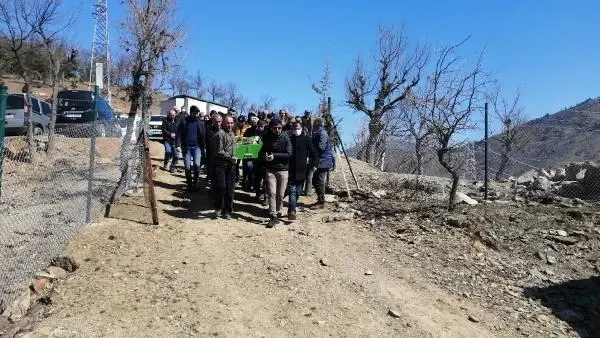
{"type": "Point", "coordinates": [19, 307]}
{"type": "Point", "coordinates": [41, 284]}
{"type": "Point", "coordinates": [563, 240]}
{"type": "Point", "coordinates": [541, 183]}
{"type": "Point", "coordinates": [368, 273]}
{"type": "Point", "coordinates": [527, 179]}
{"type": "Point", "coordinates": [551, 260]}
{"type": "Point", "coordinates": [560, 175]}
{"type": "Point", "coordinates": [324, 262]}
{"type": "Point", "coordinates": [394, 313]}
{"type": "Point", "coordinates": [56, 272]}
{"type": "Point", "coordinates": [473, 319]}
{"type": "Point", "coordinates": [457, 223]}
{"type": "Point", "coordinates": [541, 255]}
{"type": "Point", "coordinates": [65, 262]}
{"type": "Point", "coordinates": [598, 265]}
{"type": "Point", "coordinates": [379, 193]}
{"type": "Point", "coordinates": [330, 198]}
{"type": "Point", "coordinates": [561, 233]}
{"type": "Point", "coordinates": [463, 198]}
{"type": "Point", "coordinates": [479, 246]}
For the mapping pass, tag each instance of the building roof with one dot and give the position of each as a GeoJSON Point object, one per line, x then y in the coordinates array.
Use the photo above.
{"type": "Point", "coordinates": [183, 96]}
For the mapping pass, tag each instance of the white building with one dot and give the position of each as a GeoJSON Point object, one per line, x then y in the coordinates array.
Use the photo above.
{"type": "Point", "coordinates": [187, 101]}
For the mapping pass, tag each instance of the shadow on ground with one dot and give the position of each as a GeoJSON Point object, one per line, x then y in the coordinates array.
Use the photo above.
{"type": "Point", "coordinates": [577, 302]}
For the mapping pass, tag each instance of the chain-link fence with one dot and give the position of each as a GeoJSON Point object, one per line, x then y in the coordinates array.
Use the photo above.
{"type": "Point", "coordinates": [53, 186]}
{"type": "Point", "coordinates": [512, 174]}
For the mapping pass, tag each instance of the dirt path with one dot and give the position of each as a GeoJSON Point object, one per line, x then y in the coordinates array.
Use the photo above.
{"type": "Point", "coordinates": [192, 275]}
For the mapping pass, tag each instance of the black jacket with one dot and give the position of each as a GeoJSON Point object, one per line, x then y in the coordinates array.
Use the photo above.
{"type": "Point", "coordinates": [252, 132]}
{"type": "Point", "coordinates": [303, 153]}
{"type": "Point", "coordinates": [281, 148]}
{"type": "Point", "coordinates": [182, 135]}
{"type": "Point", "coordinates": [210, 144]}
{"type": "Point", "coordinates": [168, 128]}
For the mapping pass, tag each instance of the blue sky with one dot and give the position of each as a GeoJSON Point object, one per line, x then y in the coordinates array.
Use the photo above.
{"type": "Point", "coordinates": [547, 49]}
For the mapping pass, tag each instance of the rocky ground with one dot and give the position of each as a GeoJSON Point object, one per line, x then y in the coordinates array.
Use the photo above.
{"type": "Point", "coordinates": [531, 257]}
{"type": "Point", "coordinates": [390, 262]}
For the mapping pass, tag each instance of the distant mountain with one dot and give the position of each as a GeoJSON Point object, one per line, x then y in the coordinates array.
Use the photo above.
{"type": "Point", "coordinates": [555, 140]}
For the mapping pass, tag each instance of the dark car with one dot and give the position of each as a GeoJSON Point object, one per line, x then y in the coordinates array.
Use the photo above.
{"type": "Point", "coordinates": [75, 115]}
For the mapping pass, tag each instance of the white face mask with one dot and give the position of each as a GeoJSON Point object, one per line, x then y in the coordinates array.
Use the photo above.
{"type": "Point", "coordinates": [297, 132]}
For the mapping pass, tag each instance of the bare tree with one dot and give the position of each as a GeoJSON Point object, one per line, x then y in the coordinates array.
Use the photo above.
{"type": "Point", "coordinates": [454, 92]}
{"type": "Point", "coordinates": [266, 102]}
{"type": "Point", "coordinates": [410, 121]}
{"type": "Point", "coordinates": [197, 85]}
{"type": "Point", "coordinates": [231, 96]}
{"type": "Point", "coordinates": [150, 38]}
{"type": "Point", "coordinates": [514, 134]}
{"type": "Point", "coordinates": [120, 72]}
{"type": "Point", "coordinates": [242, 106]}
{"type": "Point", "coordinates": [397, 71]}
{"type": "Point", "coordinates": [322, 89]}
{"type": "Point", "coordinates": [288, 107]}
{"type": "Point", "coordinates": [15, 28]}
{"type": "Point", "coordinates": [178, 82]}
{"type": "Point", "coordinates": [48, 23]}
{"type": "Point", "coordinates": [215, 92]}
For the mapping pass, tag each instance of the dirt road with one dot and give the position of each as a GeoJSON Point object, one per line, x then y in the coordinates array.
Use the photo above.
{"type": "Point", "coordinates": [193, 275]}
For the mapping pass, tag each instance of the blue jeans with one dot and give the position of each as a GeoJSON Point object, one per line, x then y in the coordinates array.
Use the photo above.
{"type": "Point", "coordinates": [295, 192]}
{"type": "Point", "coordinates": [192, 153]}
{"type": "Point", "coordinates": [171, 154]}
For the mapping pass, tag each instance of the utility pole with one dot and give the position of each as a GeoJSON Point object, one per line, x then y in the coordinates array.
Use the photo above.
{"type": "Point", "coordinates": [485, 169]}
{"type": "Point", "coordinates": [101, 50]}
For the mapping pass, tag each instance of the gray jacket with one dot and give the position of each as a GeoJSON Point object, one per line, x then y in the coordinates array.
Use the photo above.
{"type": "Point", "coordinates": [224, 148]}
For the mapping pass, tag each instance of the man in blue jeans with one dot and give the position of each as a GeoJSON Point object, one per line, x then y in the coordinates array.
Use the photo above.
{"type": "Point", "coordinates": [324, 163]}
{"type": "Point", "coordinates": [303, 157]}
{"type": "Point", "coordinates": [192, 136]}
{"type": "Point", "coordinates": [169, 133]}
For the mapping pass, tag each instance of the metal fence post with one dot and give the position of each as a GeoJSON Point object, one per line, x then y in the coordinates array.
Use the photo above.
{"type": "Point", "coordinates": [3, 97]}
{"type": "Point", "coordinates": [88, 211]}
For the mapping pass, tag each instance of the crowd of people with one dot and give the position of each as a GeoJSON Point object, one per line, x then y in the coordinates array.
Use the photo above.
{"type": "Point", "coordinates": [295, 156]}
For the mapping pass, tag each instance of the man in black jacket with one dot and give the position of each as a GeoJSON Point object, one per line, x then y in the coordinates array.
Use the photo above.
{"type": "Point", "coordinates": [275, 153]}
{"type": "Point", "coordinates": [169, 134]}
{"type": "Point", "coordinates": [303, 154]}
{"type": "Point", "coordinates": [214, 127]}
{"type": "Point", "coordinates": [191, 137]}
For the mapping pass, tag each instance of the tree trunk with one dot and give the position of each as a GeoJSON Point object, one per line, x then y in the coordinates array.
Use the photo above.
{"type": "Point", "coordinates": [375, 129]}
{"type": "Point", "coordinates": [419, 155]}
{"type": "Point", "coordinates": [30, 129]}
{"type": "Point", "coordinates": [453, 173]}
{"type": "Point", "coordinates": [52, 129]}
{"type": "Point", "coordinates": [504, 159]}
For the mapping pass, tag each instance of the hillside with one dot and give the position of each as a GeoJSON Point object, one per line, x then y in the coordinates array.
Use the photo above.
{"type": "Point", "coordinates": [571, 135]}
{"type": "Point", "coordinates": [119, 100]}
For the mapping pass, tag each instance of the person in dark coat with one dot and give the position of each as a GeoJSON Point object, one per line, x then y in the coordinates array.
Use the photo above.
{"type": "Point", "coordinates": [213, 127]}
{"type": "Point", "coordinates": [276, 152]}
{"type": "Point", "coordinates": [303, 157]}
{"type": "Point", "coordinates": [169, 135]}
{"type": "Point", "coordinates": [191, 137]}
{"type": "Point", "coordinates": [322, 145]}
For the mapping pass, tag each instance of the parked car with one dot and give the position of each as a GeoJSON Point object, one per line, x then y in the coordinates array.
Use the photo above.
{"type": "Point", "coordinates": [18, 113]}
{"type": "Point", "coordinates": [155, 127]}
{"type": "Point", "coordinates": [75, 114]}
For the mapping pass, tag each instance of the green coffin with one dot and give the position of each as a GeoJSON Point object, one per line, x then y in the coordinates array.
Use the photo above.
{"type": "Point", "coordinates": [247, 148]}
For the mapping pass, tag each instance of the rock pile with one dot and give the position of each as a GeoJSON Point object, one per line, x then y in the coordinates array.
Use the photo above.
{"type": "Point", "coordinates": [577, 180]}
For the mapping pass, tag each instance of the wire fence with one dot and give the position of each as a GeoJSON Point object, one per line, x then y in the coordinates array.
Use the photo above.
{"type": "Point", "coordinates": [53, 186]}
{"type": "Point", "coordinates": [528, 173]}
